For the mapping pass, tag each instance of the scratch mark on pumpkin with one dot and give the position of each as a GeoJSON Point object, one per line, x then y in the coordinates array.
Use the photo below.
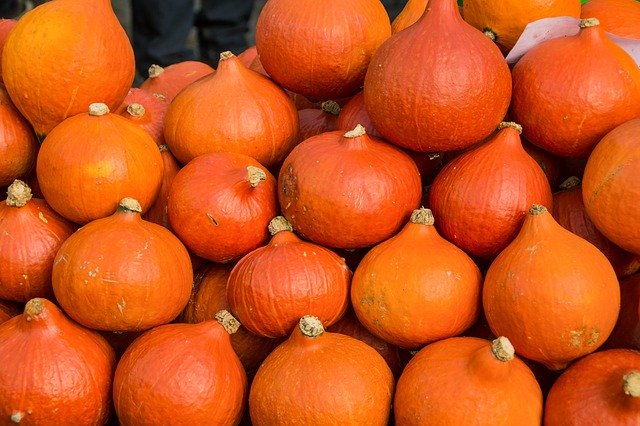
{"type": "Point", "coordinates": [121, 305]}
{"type": "Point", "coordinates": [92, 273]}
{"type": "Point", "coordinates": [212, 219]}
{"type": "Point", "coordinates": [42, 218]}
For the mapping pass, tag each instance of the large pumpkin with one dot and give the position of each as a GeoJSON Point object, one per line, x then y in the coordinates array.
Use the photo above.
{"type": "Point", "coordinates": [64, 55]}
{"type": "Point", "coordinates": [170, 80]}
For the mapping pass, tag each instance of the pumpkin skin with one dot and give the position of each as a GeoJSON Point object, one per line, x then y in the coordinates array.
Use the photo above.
{"type": "Point", "coordinates": [626, 333]}
{"type": "Point", "coordinates": [348, 190]}
{"type": "Point", "coordinates": [553, 293]}
{"type": "Point", "coordinates": [410, 13]}
{"type": "Point", "coordinates": [220, 205]}
{"type": "Point", "coordinates": [619, 17]}
{"type": "Point", "coordinates": [504, 21]}
{"type": "Point", "coordinates": [18, 143]}
{"type": "Point", "coordinates": [31, 233]}
{"type": "Point", "coordinates": [44, 92]}
{"type": "Point", "coordinates": [566, 102]}
{"type": "Point", "coordinates": [189, 370]}
{"type": "Point", "coordinates": [271, 287]}
{"type": "Point", "coordinates": [122, 273]}
{"type": "Point", "coordinates": [491, 384]}
{"type": "Point", "coordinates": [320, 50]}
{"type": "Point", "coordinates": [205, 116]}
{"type": "Point", "coordinates": [314, 121]}
{"type": "Point", "coordinates": [147, 111]}
{"type": "Point", "coordinates": [8, 310]}
{"type": "Point", "coordinates": [285, 390]}
{"type": "Point", "coordinates": [399, 90]}
{"type": "Point", "coordinates": [158, 212]}
{"type": "Point", "coordinates": [482, 196]}
{"type": "Point", "coordinates": [6, 25]}
{"type": "Point", "coordinates": [69, 382]}
{"type": "Point", "coordinates": [568, 211]}
{"type": "Point", "coordinates": [88, 163]}
{"type": "Point", "coordinates": [170, 80]}
{"type": "Point", "coordinates": [354, 112]}
{"type": "Point", "coordinates": [601, 388]}
{"type": "Point", "coordinates": [611, 186]}
{"type": "Point", "coordinates": [408, 298]}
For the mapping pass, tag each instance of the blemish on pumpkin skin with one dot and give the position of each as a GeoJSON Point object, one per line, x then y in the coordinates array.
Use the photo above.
{"type": "Point", "coordinates": [212, 219]}
{"type": "Point", "coordinates": [42, 218]}
{"type": "Point", "coordinates": [581, 337]}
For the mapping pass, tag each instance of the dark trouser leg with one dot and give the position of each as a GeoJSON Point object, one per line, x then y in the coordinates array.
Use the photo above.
{"type": "Point", "coordinates": [222, 25]}
{"type": "Point", "coordinates": [160, 30]}
{"type": "Point", "coordinates": [10, 9]}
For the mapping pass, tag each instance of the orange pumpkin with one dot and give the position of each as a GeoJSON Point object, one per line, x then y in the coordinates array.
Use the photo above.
{"type": "Point", "coordinates": [146, 110]}
{"type": "Point", "coordinates": [158, 212]}
{"type": "Point", "coordinates": [52, 370]}
{"type": "Point", "coordinates": [553, 293]}
{"type": "Point", "coordinates": [170, 80]}
{"type": "Point", "coordinates": [8, 310]}
{"type": "Point", "coordinates": [314, 121]}
{"type": "Point", "coordinates": [619, 17]}
{"type": "Point", "coordinates": [122, 273]}
{"type": "Point", "coordinates": [6, 25]}
{"type": "Point", "coordinates": [409, 15]}
{"type": "Point", "coordinates": [62, 56]}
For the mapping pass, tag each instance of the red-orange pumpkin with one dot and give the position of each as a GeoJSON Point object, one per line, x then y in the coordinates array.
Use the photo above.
{"type": "Point", "coordinates": [565, 101]}
{"type": "Point", "coordinates": [8, 310]}
{"type": "Point", "coordinates": [158, 212]}
{"type": "Point", "coordinates": [601, 388]}
{"type": "Point", "coordinates": [619, 17]}
{"type": "Point", "coordinates": [122, 273]}
{"type": "Point", "coordinates": [64, 55]}
{"type": "Point", "coordinates": [6, 25]}
{"type": "Point", "coordinates": [348, 190]}
{"type": "Point", "coordinates": [180, 373]}
{"type": "Point", "coordinates": [416, 287]}
{"type": "Point", "coordinates": [88, 163]}
{"type": "Point", "coordinates": [52, 370]}
{"type": "Point", "coordinates": [354, 112]}
{"type": "Point", "coordinates": [288, 387]}
{"type": "Point", "coordinates": [270, 288]}
{"type": "Point", "coordinates": [31, 233]}
{"type": "Point", "coordinates": [441, 85]}
{"type": "Point", "coordinates": [220, 205]}
{"type": "Point", "coordinates": [314, 121]}
{"type": "Point", "coordinates": [170, 80]}
{"type": "Point", "coordinates": [232, 110]}
{"type": "Point", "coordinates": [409, 15]}
{"type": "Point", "coordinates": [553, 293]}
{"type": "Point", "coordinates": [467, 380]}
{"type": "Point", "coordinates": [147, 111]}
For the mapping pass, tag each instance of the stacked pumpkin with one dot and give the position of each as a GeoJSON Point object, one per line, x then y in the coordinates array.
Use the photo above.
{"type": "Point", "coordinates": [356, 208]}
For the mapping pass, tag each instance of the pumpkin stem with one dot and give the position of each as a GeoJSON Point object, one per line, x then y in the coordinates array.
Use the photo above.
{"type": "Point", "coordinates": [357, 131]}
{"type": "Point", "coordinates": [34, 307]}
{"type": "Point", "coordinates": [155, 71]}
{"type": "Point", "coordinates": [98, 109]}
{"type": "Point", "coordinates": [228, 321]}
{"type": "Point", "coordinates": [129, 204]}
{"type": "Point", "coordinates": [490, 33]}
{"type": "Point", "coordinates": [511, 125]}
{"type": "Point", "coordinates": [589, 22]}
{"type": "Point", "coordinates": [537, 209]}
{"type": "Point", "coordinates": [632, 384]}
{"type": "Point", "coordinates": [311, 326]}
{"type": "Point", "coordinates": [135, 110]}
{"type": "Point", "coordinates": [278, 224]}
{"type": "Point", "coordinates": [332, 107]}
{"type": "Point", "coordinates": [422, 216]}
{"type": "Point", "coordinates": [163, 148]}
{"type": "Point", "coordinates": [255, 175]}
{"type": "Point", "coordinates": [226, 55]}
{"type": "Point", "coordinates": [17, 416]}
{"type": "Point", "coordinates": [18, 194]}
{"type": "Point", "coordinates": [502, 349]}
{"type": "Point", "coordinates": [570, 182]}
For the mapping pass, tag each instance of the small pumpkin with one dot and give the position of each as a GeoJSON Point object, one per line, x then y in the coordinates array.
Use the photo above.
{"type": "Point", "coordinates": [619, 17]}
{"type": "Point", "coordinates": [52, 370]}
{"type": "Point", "coordinates": [409, 15]}
{"type": "Point", "coordinates": [170, 80]}
{"type": "Point", "coordinates": [147, 111]}
{"type": "Point", "coordinates": [122, 273]}
{"type": "Point", "coordinates": [288, 386]}
{"type": "Point", "coordinates": [314, 121]}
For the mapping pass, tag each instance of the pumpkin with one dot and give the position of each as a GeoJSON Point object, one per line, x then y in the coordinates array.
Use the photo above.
{"type": "Point", "coordinates": [490, 383]}
{"type": "Point", "coordinates": [78, 53]}
{"type": "Point", "coordinates": [18, 143]}
{"type": "Point", "coordinates": [6, 25]}
{"type": "Point", "coordinates": [410, 13]}
{"type": "Point", "coordinates": [626, 333]}
{"type": "Point", "coordinates": [180, 373]}
{"type": "Point", "coordinates": [220, 205]}
{"type": "Point", "coordinates": [611, 186]}
{"type": "Point", "coordinates": [209, 297]}
{"type": "Point", "coordinates": [31, 233]}
{"type": "Point", "coordinates": [169, 81]}
{"type": "Point", "coordinates": [554, 167]}
{"type": "Point", "coordinates": [122, 273]}
{"type": "Point", "coordinates": [354, 112]}
{"type": "Point", "coordinates": [314, 121]}
{"type": "Point", "coordinates": [147, 111]}
{"type": "Point", "coordinates": [348, 189]}
{"type": "Point", "coordinates": [320, 50]}
{"type": "Point", "coordinates": [248, 55]}
{"type": "Point", "coordinates": [271, 287]}
{"type": "Point", "coordinates": [504, 21]}
{"type": "Point", "coordinates": [422, 107]}
{"type": "Point", "coordinates": [88, 163]}
{"type": "Point", "coordinates": [568, 211]}
{"type": "Point", "coordinates": [565, 101]}
{"type": "Point", "coordinates": [232, 110]}
{"type": "Point", "coordinates": [288, 387]}
{"type": "Point", "coordinates": [52, 370]}
{"type": "Point", "coordinates": [482, 196]}
{"type": "Point", "coordinates": [602, 388]}
{"type": "Point", "coordinates": [158, 212]}
{"type": "Point", "coordinates": [553, 293]}
{"type": "Point", "coordinates": [416, 287]}
{"type": "Point", "coordinates": [619, 17]}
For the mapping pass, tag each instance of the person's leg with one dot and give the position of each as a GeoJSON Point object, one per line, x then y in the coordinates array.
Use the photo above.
{"type": "Point", "coordinates": [10, 9]}
{"type": "Point", "coordinates": [222, 25]}
{"type": "Point", "coordinates": [160, 30]}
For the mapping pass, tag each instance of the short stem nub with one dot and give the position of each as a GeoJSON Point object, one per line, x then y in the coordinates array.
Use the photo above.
{"type": "Point", "coordinates": [632, 384]}
{"type": "Point", "coordinates": [18, 194]}
{"type": "Point", "coordinates": [228, 321]}
{"type": "Point", "coordinates": [502, 349]}
{"type": "Point", "coordinates": [311, 326]}
{"type": "Point", "coordinates": [34, 307]}
{"type": "Point", "coordinates": [422, 216]}
{"type": "Point", "coordinates": [255, 175]}
{"type": "Point", "coordinates": [357, 131]}
{"type": "Point", "coordinates": [278, 224]}
{"type": "Point", "coordinates": [537, 209]}
{"type": "Point", "coordinates": [589, 22]}
{"type": "Point", "coordinates": [332, 107]}
{"type": "Point", "coordinates": [155, 71]}
{"type": "Point", "coordinates": [136, 110]}
{"type": "Point", "coordinates": [510, 125]}
{"type": "Point", "coordinates": [130, 205]}
{"type": "Point", "coordinates": [98, 109]}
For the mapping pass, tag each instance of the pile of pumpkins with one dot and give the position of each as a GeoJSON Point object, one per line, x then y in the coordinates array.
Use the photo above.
{"type": "Point", "coordinates": [355, 221]}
